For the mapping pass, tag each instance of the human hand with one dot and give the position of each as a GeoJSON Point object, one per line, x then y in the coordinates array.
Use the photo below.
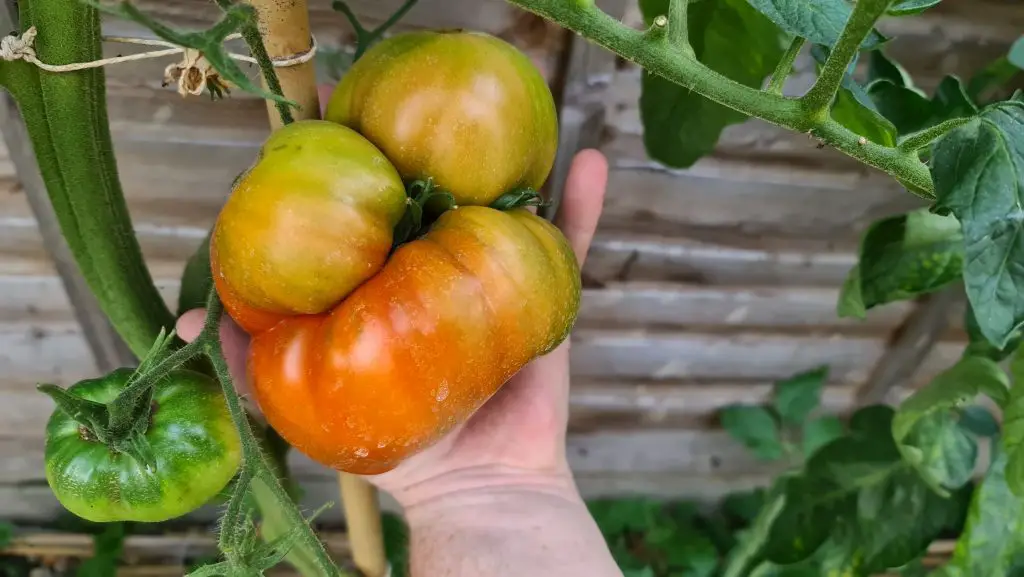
{"type": "Point", "coordinates": [518, 435]}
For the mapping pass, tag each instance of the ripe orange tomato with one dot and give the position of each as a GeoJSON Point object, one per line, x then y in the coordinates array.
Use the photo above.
{"type": "Point", "coordinates": [419, 347]}
{"type": "Point", "coordinates": [307, 223]}
{"type": "Point", "coordinates": [465, 108]}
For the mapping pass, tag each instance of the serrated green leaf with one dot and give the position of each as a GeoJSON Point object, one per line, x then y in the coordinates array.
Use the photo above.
{"type": "Point", "coordinates": [820, 432]}
{"type": "Point", "coordinates": [1013, 437]}
{"type": "Point", "coordinates": [819, 21]}
{"type": "Point", "coordinates": [908, 255]}
{"type": "Point", "coordinates": [210, 42]}
{"type": "Point", "coordinates": [952, 389]}
{"type": "Point", "coordinates": [6, 533]}
{"type": "Point", "coordinates": [849, 112]}
{"type": "Point", "coordinates": [1016, 54]}
{"type": "Point", "coordinates": [910, 7]}
{"type": "Point", "coordinates": [994, 535]}
{"type": "Point", "coordinates": [857, 493]}
{"type": "Point", "coordinates": [851, 300]}
{"type": "Point", "coordinates": [680, 126]}
{"type": "Point", "coordinates": [906, 108]}
{"type": "Point", "coordinates": [396, 543]}
{"type": "Point", "coordinates": [979, 346]}
{"type": "Point", "coordinates": [880, 67]}
{"type": "Point", "coordinates": [979, 421]}
{"type": "Point", "coordinates": [978, 170]}
{"type": "Point", "coordinates": [107, 547]}
{"type": "Point", "coordinates": [951, 101]}
{"type": "Point", "coordinates": [756, 428]}
{"type": "Point", "coordinates": [796, 397]}
{"type": "Point", "coordinates": [943, 452]}
{"type": "Point", "coordinates": [613, 516]}
{"type": "Point", "coordinates": [993, 77]}
{"type": "Point", "coordinates": [927, 429]}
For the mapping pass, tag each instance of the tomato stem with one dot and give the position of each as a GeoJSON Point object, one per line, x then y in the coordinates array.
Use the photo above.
{"type": "Point", "coordinates": [519, 198]}
{"type": "Point", "coordinates": [251, 34]}
{"type": "Point", "coordinates": [805, 115]}
{"type": "Point", "coordinates": [257, 467]}
{"type": "Point", "coordinates": [365, 38]}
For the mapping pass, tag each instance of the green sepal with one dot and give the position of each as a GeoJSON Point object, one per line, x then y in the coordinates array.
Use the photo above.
{"type": "Point", "coordinates": [519, 198]}
{"type": "Point", "coordinates": [424, 199]}
{"type": "Point", "coordinates": [90, 414]}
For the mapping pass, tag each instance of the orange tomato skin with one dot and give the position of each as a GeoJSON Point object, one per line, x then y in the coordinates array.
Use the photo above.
{"type": "Point", "coordinates": [307, 223]}
{"type": "Point", "coordinates": [422, 345]}
{"type": "Point", "coordinates": [465, 108]}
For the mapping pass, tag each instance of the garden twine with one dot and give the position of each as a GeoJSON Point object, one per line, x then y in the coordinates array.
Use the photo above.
{"type": "Point", "coordinates": [191, 75]}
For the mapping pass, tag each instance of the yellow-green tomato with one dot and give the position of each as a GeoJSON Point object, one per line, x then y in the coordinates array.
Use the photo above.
{"type": "Point", "coordinates": [308, 222]}
{"type": "Point", "coordinates": [464, 108]}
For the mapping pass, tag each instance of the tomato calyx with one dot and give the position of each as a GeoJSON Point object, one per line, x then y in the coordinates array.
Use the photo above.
{"type": "Point", "coordinates": [424, 203]}
{"type": "Point", "coordinates": [519, 198]}
{"type": "Point", "coordinates": [120, 424]}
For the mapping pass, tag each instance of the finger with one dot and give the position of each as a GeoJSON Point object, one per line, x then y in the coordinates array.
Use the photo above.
{"type": "Point", "coordinates": [583, 200]}
{"type": "Point", "coordinates": [324, 91]}
{"type": "Point", "coordinates": [234, 343]}
{"type": "Point", "coordinates": [190, 325]}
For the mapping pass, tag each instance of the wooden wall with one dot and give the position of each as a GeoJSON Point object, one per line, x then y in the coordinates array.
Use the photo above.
{"type": "Point", "coordinates": [703, 285]}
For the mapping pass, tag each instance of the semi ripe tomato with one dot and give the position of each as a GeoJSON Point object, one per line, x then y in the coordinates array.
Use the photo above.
{"type": "Point", "coordinates": [306, 224]}
{"type": "Point", "coordinates": [423, 344]}
{"type": "Point", "coordinates": [196, 447]}
{"type": "Point", "coordinates": [465, 108]}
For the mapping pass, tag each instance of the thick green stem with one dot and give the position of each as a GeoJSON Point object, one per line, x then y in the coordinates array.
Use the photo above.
{"type": "Point", "coordinates": [785, 66]}
{"type": "Point", "coordinates": [673, 64]}
{"type": "Point", "coordinates": [66, 117]}
{"type": "Point", "coordinates": [818, 100]}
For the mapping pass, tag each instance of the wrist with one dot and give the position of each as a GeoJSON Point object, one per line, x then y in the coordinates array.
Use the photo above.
{"type": "Point", "coordinates": [465, 489]}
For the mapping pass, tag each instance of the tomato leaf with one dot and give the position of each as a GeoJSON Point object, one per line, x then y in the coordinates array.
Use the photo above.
{"type": "Point", "coordinates": [907, 255]}
{"type": "Point", "coordinates": [819, 432]}
{"type": "Point", "coordinates": [906, 108]}
{"type": "Point", "coordinates": [819, 21]}
{"type": "Point", "coordinates": [858, 494]}
{"type": "Point", "coordinates": [993, 538]}
{"type": "Point", "coordinates": [396, 543]}
{"type": "Point", "coordinates": [680, 126]}
{"type": "Point", "coordinates": [106, 556]}
{"type": "Point", "coordinates": [849, 112]}
{"type": "Point", "coordinates": [210, 42]}
{"type": "Point", "coordinates": [851, 300]}
{"type": "Point", "coordinates": [993, 77]}
{"type": "Point", "coordinates": [796, 397]}
{"type": "Point", "coordinates": [952, 389]}
{"type": "Point", "coordinates": [1016, 54]}
{"type": "Point", "coordinates": [978, 170]}
{"type": "Point", "coordinates": [6, 533]}
{"type": "Point", "coordinates": [910, 7]}
{"type": "Point", "coordinates": [1013, 434]}
{"type": "Point", "coordinates": [927, 430]}
{"type": "Point", "coordinates": [979, 421]}
{"type": "Point", "coordinates": [756, 428]}
{"type": "Point", "coordinates": [979, 346]}
{"type": "Point", "coordinates": [881, 67]}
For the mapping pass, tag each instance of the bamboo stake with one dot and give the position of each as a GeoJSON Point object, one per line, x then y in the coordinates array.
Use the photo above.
{"type": "Point", "coordinates": [284, 25]}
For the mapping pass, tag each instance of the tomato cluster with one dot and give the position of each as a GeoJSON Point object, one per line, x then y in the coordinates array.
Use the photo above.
{"type": "Point", "coordinates": [363, 352]}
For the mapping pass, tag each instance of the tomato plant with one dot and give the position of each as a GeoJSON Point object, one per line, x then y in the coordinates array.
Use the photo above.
{"type": "Point", "coordinates": [463, 108]}
{"type": "Point", "coordinates": [419, 347]}
{"type": "Point", "coordinates": [195, 451]}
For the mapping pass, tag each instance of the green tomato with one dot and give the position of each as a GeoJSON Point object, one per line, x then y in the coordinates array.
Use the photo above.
{"type": "Point", "coordinates": [196, 448]}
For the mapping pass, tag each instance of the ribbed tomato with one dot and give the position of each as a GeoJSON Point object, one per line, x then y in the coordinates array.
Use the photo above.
{"type": "Point", "coordinates": [423, 344]}
{"type": "Point", "coordinates": [307, 223]}
{"type": "Point", "coordinates": [464, 108]}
